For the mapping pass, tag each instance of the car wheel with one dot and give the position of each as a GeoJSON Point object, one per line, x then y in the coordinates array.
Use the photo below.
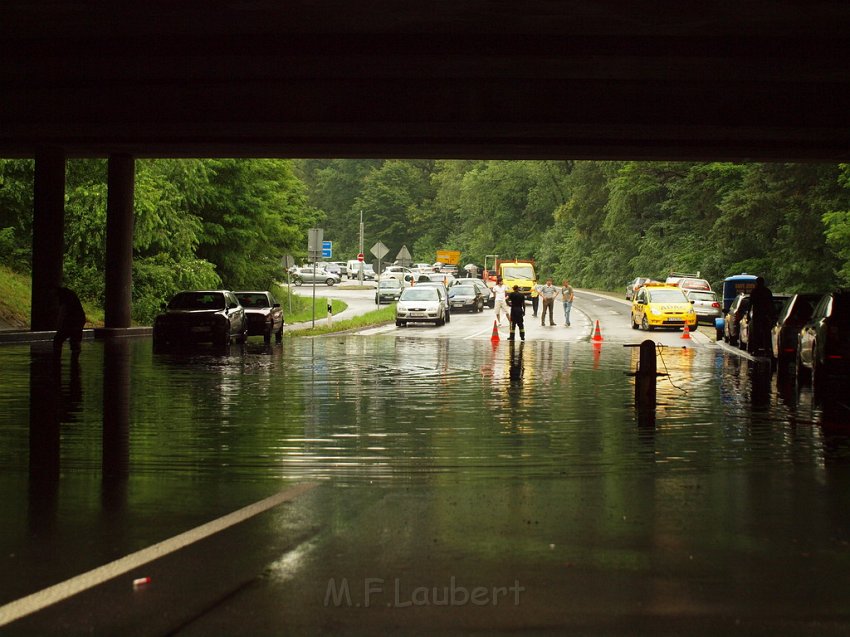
{"type": "Point", "coordinates": [634, 324]}
{"type": "Point", "coordinates": [278, 336]}
{"type": "Point", "coordinates": [330, 282]}
{"type": "Point", "coordinates": [645, 326]}
{"type": "Point", "coordinates": [298, 282]}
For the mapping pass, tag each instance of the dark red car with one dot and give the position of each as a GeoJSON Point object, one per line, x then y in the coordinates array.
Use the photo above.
{"type": "Point", "coordinates": [263, 314]}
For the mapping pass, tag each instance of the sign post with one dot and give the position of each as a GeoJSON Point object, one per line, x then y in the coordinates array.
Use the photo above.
{"type": "Point", "coordinates": [314, 249]}
{"type": "Point", "coordinates": [288, 262]}
{"type": "Point", "coordinates": [380, 251]}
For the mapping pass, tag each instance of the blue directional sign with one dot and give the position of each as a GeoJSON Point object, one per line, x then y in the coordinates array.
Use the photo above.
{"type": "Point", "coordinates": [327, 249]}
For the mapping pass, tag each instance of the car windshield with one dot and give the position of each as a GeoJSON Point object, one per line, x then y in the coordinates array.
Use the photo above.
{"type": "Point", "coordinates": [668, 296]}
{"type": "Point", "coordinates": [517, 272]}
{"type": "Point", "coordinates": [197, 301]}
{"type": "Point", "coordinates": [254, 299]}
{"type": "Point", "coordinates": [463, 290]}
{"type": "Point", "coordinates": [420, 294]}
{"type": "Point", "coordinates": [695, 284]}
{"type": "Point", "coordinates": [702, 296]}
{"type": "Point", "coordinates": [390, 283]}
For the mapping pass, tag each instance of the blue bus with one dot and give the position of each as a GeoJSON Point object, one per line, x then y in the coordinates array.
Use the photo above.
{"type": "Point", "coordinates": [735, 285]}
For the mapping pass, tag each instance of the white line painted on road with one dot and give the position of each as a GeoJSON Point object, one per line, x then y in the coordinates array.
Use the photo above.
{"type": "Point", "coordinates": [63, 590]}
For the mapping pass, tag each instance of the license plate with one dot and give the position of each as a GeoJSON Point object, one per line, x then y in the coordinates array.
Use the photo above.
{"type": "Point", "coordinates": [457, 304]}
{"type": "Point", "coordinates": [417, 314]}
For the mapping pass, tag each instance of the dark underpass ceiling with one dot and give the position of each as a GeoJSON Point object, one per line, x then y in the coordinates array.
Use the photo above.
{"type": "Point", "coordinates": [655, 80]}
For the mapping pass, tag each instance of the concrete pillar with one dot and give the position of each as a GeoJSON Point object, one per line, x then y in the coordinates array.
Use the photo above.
{"type": "Point", "coordinates": [119, 241]}
{"type": "Point", "coordinates": [48, 235]}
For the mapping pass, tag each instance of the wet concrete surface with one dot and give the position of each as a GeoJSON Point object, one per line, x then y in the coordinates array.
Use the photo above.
{"type": "Point", "coordinates": [447, 471]}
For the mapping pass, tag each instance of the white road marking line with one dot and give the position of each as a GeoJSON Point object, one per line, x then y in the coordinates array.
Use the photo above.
{"type": "Point", "coordinates": [63, 590]}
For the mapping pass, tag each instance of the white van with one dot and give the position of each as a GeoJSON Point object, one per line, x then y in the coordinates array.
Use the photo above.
{"type": "Point", "coordinates": [354, 267]}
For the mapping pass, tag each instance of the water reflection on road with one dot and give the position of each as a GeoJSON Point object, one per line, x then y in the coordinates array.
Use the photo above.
{"type": "Point", "coordinates": [130, 447]}
{"type": "Point", "coordinates": [351, 408]}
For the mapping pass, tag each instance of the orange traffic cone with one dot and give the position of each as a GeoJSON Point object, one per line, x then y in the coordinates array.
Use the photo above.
{"type": "Point", "coordinates": [686, 333]}
{"type": "Point", "coordinates": [495, 337]}
{"type": "Point", "coordinates": [597, 335]}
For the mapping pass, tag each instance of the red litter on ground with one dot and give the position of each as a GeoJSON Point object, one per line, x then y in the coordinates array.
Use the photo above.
{"type": "Point", "coordinates": [141, 581]}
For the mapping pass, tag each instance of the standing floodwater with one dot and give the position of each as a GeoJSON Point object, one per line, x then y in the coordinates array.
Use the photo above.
{"type": "Point", "coordinates": [484, 462]}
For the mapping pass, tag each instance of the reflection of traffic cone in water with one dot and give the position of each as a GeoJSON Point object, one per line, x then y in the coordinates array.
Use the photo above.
{"type": "Point", "coordinates": [597, 335]}
{"type": "Point", "coordinates": [495, 337]}
{"type": "Point", "coordinates": [686, 333]}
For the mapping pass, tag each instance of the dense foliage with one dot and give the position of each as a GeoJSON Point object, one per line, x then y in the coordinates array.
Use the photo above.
{"type": "Point", "coordinates": [600, 223]}
{"type": "Point", "coordinates": [205, 223]}
{"type": "Point", "coordinates": [198, 224]}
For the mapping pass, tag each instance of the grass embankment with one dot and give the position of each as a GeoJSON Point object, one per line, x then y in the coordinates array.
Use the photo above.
{"type": "Point", "coordinates": [16, 301]}
{"type": "Point", "coordinates": [302, 311]}
{"type": "Point", "coordinates": [370, 319]}
{"type": "Point", "coordinates": [302, 306]}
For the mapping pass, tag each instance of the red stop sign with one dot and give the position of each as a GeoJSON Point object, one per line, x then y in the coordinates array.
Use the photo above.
{"type": "Point", "coordinates": [360, 257]}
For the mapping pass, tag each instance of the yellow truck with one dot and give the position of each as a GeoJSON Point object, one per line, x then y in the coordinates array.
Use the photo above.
{"type": "Point", "coordinates": [519, 272]}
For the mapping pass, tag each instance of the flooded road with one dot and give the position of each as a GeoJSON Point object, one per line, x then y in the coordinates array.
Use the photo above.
{"type": "Point", "coordinates": [438, 459]}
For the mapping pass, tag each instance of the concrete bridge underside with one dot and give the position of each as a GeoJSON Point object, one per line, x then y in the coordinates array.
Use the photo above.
{"type": "Point", "coordinates": [393, 78]}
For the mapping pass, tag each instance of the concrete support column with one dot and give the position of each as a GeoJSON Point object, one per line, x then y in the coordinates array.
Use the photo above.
{"type": "Point", "coordinates": [119, 241]}
{"type": "Point", "coordinates": [48, 235]}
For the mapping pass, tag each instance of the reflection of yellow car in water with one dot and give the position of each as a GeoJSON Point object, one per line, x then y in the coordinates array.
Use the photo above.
{"type": "Point", "coordinates": [662, 305]}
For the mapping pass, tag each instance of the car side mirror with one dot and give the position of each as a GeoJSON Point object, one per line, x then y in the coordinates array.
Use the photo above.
{"type": "Point", "coordinates": [276, 305]}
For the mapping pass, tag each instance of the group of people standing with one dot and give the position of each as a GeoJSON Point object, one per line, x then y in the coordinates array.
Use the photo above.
{"type": "Point", "coordinates": [512, 303]}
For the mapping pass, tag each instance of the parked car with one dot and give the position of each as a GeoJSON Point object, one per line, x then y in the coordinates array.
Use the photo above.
{"type": "Point", "coordinates": [486, 292]}
{"type": "Point", "coordinates": [354, 268]}
{"type": "Point", "coordinates": [690, 283]}
{"type": "Point", "coordinates": [343, 267]}
{"type": "Point", "coordinates": [306, 275]}
{"type": "Point", "coordinates": [448, 268]}
{"type": "Point", "coordinates": [706, 305]}
{"type": "Point", "coordinates": [731, 321]}
{"type": "Point", "coordinates": [263, 314]}
{"type": "Point", "coordinates": [443, 292]}
{"type": "Point", "coordinates": [744, 332]}
{"type": "Point", "coordinates": [420, 304]}
{"type": "Point", "coordinates": [398, 272]}
{"type": "Point", "coordinates": [330, 267]}
{"type": "Point", "coordinates": [824, 343]}
{"type": "Point", "coordinates": [785, 334]}
{"type": "Point", "coordinates": [441, 277]}
{"type": "Point", "coordinates": [661, 305]}
{"type": "Point", "coordinates": [633, 286]}
{"type": "Point", "coordinates": [466, 297]}
{"type": "Point", "coordinates": [200, 316]}
{"type": "Point", "coordinates": [388, 290]}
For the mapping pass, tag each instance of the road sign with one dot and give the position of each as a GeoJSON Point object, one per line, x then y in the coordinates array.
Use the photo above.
{"type": "Point", "coordinates": [449, 257]}
{"type": "Point", "coordinates": [314, 243]}
{"type": "Point", "coordinates": [404, 257]}
{"type": "Point", "coordinates": [360, 257]}
{"type": "Point", "coordinates": [327, 249]}
{"type": "Point", "coordinates": [380, 250]}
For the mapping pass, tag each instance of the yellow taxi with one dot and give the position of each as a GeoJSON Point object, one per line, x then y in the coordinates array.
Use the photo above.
{"type": "Point", "coordinates": [662, 305]}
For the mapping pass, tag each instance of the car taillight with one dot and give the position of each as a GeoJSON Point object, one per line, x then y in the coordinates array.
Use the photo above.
{"type": "Point", "coordinates": [715, 304]}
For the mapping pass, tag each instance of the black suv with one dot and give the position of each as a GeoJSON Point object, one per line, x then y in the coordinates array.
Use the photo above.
{"type": "Point", "coordinates": [200, 316]}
